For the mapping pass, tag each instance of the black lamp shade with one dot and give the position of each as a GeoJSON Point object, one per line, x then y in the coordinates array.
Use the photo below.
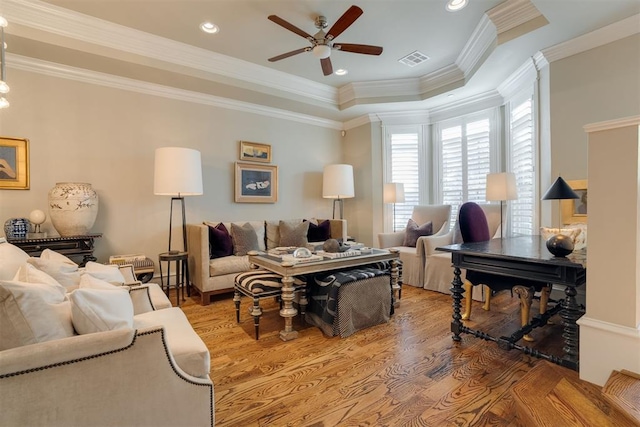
{"type": "Point", "coordinates": [560, 190]}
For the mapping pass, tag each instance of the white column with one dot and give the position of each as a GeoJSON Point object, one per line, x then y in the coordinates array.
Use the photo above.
{"type": "Point", "coordinates": [610, 329]}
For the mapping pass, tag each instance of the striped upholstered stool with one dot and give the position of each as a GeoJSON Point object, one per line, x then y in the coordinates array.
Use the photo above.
{"type": "Point", "coordinates": [260, 284]}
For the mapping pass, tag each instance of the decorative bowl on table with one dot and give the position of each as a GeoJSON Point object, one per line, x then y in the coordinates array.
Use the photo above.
{"type": "Point", "coordinates": [17, 228]}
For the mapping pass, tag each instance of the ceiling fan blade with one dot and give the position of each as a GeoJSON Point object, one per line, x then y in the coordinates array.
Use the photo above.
{"type": "Point", "coordinates": [288, 54]}
{"type": "Point", "coordinates": [358, 48]}
{"type": "Point", "coordinates": [290, 26]}
{"type": "Point", "coordinates": [344, 22]}
{"type": "Point", "coordinates": [327, 68]}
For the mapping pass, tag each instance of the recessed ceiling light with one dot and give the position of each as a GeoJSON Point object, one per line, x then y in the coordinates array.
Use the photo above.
{"type": "Point", "coordinates": [456, 5]}
{"type": "Point", "coordinates": [341, 72]}
{"type": "Point", "coordinates": [209, 27]}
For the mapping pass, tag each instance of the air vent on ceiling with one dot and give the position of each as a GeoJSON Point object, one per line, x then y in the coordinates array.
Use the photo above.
{"type": "Point", "coordinates": [413, 59]}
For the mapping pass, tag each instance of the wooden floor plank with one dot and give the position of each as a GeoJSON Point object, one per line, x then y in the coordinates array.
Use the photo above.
{"type": "Point", "coordinates": [405, 372]}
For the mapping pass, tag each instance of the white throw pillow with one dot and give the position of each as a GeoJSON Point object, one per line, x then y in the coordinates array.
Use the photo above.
{"type": "Point", "coordinates": [29, 274]}
{"type": "Point", "coordinates": [66, 274]}
{"type": "Point", "coordinates": [56, 256]}
{"type": "Point", "coordinates": [11, 258]}
{"type": "Point", "coordinates": [88, 281]}
{"type": "Point", "coordinates": [98, 310]}
{"type": "Point", "coordinates": [108, 273]}
{"type": "Point", "coordinates": [31, 313]}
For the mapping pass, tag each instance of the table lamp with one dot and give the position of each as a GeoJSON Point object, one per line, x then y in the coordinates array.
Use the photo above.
{"type": "Point", "coordinates": [337, 184]}
{"type": "Point", "coordinates": [177, 173]}
{"type": "Point", "coordinates": [393, 192]}
{"type": "Point", "coordinates": [501, 186]}
{"type": "Point", "coordinates": [559, 245]}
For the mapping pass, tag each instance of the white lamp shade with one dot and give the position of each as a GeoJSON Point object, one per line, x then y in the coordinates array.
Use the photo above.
{"type": "Point", "coordinates": [337, 182]}
{"type": "Point", "coordinates": [177, 172]}
{"type": "Point", "coordinates": [393, 192]}
{"type": "Point", "coordinates": [501, 186]}
{"type": "Point", "coordinates": [321, 51]}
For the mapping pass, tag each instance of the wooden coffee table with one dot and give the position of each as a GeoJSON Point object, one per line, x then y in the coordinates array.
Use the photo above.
{"type": "Point", "coordinates": [288, 270]}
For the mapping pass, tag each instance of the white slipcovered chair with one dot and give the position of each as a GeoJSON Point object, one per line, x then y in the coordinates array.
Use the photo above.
{"type": "Point", "coordinates": [438, 272]}
{"type": "Point", "coordinates": [414, 258]}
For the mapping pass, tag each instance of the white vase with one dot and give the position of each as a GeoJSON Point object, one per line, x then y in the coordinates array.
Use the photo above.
{"type": "Point", "coordinates": [73, 208]}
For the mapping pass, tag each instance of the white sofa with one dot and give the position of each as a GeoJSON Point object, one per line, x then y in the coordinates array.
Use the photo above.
{"type": "Point", "coordinates": [214, 276]}
{"type": "Point", "coordinates": [153, 372]}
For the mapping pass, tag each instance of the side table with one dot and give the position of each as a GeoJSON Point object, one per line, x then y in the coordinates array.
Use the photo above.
{"type": "Point", "coordinates": [182, 272]}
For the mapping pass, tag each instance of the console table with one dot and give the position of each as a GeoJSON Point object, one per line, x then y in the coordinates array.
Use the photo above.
{"type": "Point", "coordinates": [523, 257]}
{"type": "Point", "coordinates": [71, 246]}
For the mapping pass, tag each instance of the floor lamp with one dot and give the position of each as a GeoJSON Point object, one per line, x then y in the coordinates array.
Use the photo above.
{"type": "Point", "coordinates": [393, 192]}
{"type": "Point", "coordinates": [501, 186]}
{"type": "Point", "coordinates": [337, 184]}
{"type": "Point", "coordinates": [177, 173]}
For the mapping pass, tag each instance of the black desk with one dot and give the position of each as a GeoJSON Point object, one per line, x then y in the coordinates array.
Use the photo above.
{"type": "Point", "coordinates": [523, 257]}
{"type": "Point", "coordinates": [71, 246]}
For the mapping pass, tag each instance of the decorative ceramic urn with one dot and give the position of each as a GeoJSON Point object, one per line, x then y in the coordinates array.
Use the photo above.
{"type": "Point", "coordinates": [73, 208]}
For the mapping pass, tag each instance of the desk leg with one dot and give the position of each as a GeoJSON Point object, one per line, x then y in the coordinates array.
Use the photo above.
{"type": "Point", "coordinates": [456, 293]}
{"type": "Point", "coordinates": [570, 313]}
{"type": "Point", "coordinates": [288, 311]}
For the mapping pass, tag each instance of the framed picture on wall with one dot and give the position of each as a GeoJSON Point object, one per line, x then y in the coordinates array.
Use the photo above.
{"type": "Point", "coordinates": [575, 210]}
{"type": "Point", "coordinates": [256, 183]}
{"type": "Point", "coordinates": [14, 164]}
{"type": "Point", "coordinates": [255, 152]}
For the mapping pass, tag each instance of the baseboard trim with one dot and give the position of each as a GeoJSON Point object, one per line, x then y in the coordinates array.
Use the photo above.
{"type": "Point", "coordinates": [605, 347]}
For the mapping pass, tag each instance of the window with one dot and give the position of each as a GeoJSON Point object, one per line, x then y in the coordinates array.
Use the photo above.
{"type": "Point", "coordinates": [521, 160]}
{"type": "Point", "coordinates": [467, 149]}
{"type": "Point", "coordinates": [403, 166]}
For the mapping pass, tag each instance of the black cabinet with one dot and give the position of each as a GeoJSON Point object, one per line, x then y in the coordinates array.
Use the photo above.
{"type": "Point", "coordinates": [78, 248]}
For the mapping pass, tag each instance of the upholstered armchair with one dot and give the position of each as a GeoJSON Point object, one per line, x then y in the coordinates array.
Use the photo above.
{"type": "Point", "coordinates": [413, 255]}
{"type": "Point", "coordinates": [438, 272]}
{"type": "Point", "coordinates": [474, 228]}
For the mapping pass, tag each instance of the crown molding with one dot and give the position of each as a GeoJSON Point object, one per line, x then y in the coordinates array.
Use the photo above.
{"type": "Point", "coordinates": [56, 20]}
{"type": "Point", "coordinates": [616, 31]}
{"type": "Point", "coordinates": [526, 74]}
{"type": "Point", "coordinates": [116, 82]}
{"type": "Point", "coordinates": [482, 41]}
{"type": "Point", "coordinates": [540, 61]}
{"type": "Point", "coordinates": [361, 121]}
{"type": "Point", "coordinates": [469, 105]}
{"type": "Point", "coordinates": [612, 124]}
{"type": "Point", "coordinates": [512, 13]}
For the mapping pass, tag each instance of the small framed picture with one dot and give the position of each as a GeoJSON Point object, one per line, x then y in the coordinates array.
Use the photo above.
{"type": "Point", "coordinates": [255, 152]}
{"type": "Point", "coordinates": [14, 164]}
{"type": "Point", "coordinates": [575, 210]}
{"type": "Point", "coordinates": [256, 183]}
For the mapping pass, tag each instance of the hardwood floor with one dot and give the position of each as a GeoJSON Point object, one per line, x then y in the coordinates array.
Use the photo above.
{"type": "Point", "coordinates": [407, 372]}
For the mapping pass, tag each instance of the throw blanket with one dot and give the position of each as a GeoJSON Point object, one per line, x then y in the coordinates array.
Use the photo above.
{"type": "Point", "coordinates": [323, 288]}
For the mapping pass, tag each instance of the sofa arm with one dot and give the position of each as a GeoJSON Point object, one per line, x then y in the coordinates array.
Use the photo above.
{"type": "Point", "coordinates": [389, 240]}
{"type": "Point", "coordinates": [198, 246]}
{"type": "Point", "coordinates": [103, 378]}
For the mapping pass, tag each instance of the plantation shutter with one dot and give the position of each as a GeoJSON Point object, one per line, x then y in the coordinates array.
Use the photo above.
{"type": "Point", "coordinates": [465, 161]}
{"type": "Point", "coordinates": [405, 170]}
{"type": "Point", "coordinates": [522, 164]}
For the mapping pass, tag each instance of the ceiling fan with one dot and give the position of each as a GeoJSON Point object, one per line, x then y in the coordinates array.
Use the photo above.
{"type": "Point", "coordinates": [322, 43]}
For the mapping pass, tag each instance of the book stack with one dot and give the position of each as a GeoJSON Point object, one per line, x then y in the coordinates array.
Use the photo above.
{"type": "Point", "coordinates": [126, 259]}
{"type": "Point", "coordinates": [345, 254]}
{"type": "Point", "coordinates": [291, 258]}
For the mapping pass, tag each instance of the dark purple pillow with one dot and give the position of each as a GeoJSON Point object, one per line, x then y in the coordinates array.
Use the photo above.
{"type": "Point", "coordinates": [320, 232]}
{"type": "Point", "coordinates": [220, 243]}
{"type": "Point", "coordinates": [414, 231]}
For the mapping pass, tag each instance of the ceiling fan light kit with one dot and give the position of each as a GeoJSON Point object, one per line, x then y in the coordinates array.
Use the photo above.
{"type": "Point", "coordinates": [322, 43]}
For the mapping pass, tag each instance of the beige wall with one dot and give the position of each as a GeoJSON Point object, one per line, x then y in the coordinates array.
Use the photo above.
{"type": "Point", "coordinates": [363, 149]}
{"type": "Point", "coordinates": [107, 137]}
{"type": "Point", "coordinates": [593, 86]}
